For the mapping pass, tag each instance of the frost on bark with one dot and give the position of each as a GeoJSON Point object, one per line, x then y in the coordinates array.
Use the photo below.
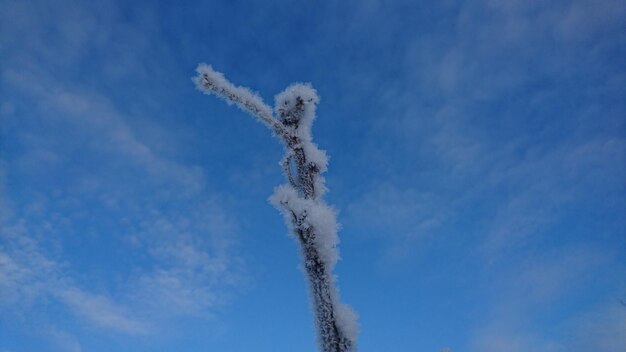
{"type": "Point", "coordinates": [309, 218]}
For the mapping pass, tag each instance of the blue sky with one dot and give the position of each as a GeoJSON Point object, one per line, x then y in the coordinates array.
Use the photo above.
{"type": "Point", "coordinates": [478, 159]}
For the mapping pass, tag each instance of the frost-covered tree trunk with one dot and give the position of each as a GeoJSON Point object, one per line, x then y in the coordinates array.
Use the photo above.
{"type": "Point", "coordinates": [310, 219]}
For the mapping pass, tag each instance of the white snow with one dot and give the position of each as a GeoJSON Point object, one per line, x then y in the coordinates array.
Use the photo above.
{"type": "Point", "coordinates": [316, 155]}
{"type": "Point", "coordinates": [286, 100]}
{"type": "Point", "coordinates": [347, 320]}
{"type": "Point", "coordinates": [316, 214]}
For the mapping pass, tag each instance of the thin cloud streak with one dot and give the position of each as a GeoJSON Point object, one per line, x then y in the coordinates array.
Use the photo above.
{"type": "Point", "coordinates": [190, 244]}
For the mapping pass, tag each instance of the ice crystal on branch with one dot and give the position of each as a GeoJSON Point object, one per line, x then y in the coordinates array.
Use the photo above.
{"type": "Point", "coordinates": [310, 220]}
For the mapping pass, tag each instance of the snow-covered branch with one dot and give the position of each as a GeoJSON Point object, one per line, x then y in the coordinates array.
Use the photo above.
{"type": "Point", "coordinates": [210, 81]}
{"type": "Point", "coordinates": [308, 217]}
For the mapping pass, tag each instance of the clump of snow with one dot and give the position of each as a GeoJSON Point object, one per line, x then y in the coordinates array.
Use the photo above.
{"type": "Point", "coordinates": [283, 195]}
{"type": "Point", "coordinates": [313, 214]}
{"type": "Point", "coordinates": [347, 320]}
{"type": "Point", "coordinates": [320, 185]}
{"type": "Point", "coordinates": [207, 77]}
{"type": "Point", "coordinates": [322, 218]}
{"type": "Point", "coordinates": [287, 100]}
{"type": "Point", "coordinates": [316, 155]}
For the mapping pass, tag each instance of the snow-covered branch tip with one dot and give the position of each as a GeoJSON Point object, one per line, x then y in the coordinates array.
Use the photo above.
{"type": "Point", "coordinates": [210, 81]}
{"type": "Point", "coordinates": [311, 221]}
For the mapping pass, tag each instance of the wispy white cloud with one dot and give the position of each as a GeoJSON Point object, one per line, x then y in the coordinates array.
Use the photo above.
{"type": "Point", "coordinates": [526, 194]}
{"type": "Point", "coordinates": [29, 277]}
{"type": "Point", "coordinates": [599, 329]}
{"type": "Point", "coordinates": [101, 311]}
{"type": "Point", "coordinates": [95, 116]}
{"type": "Point", "coordinates": [400, 217]}
{"type": "Point", "coordinates": [583, 19]}
{"type": "Point", "coordinates": [529, 300]}
{"type": "Point", "coordinates": [65, 341]}
{"type": "Point", "coordinates": [100, 172]}
{"type": "Point", "coordinates": [194, 265]}
{"type": "Point", "coordinates": [191, 246]}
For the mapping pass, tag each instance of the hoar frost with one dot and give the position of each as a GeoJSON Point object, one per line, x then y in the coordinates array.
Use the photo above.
{"type": "Point", "coordinates": [310, 220]}
{"type": "Point", "coordinates": [315, 215]}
